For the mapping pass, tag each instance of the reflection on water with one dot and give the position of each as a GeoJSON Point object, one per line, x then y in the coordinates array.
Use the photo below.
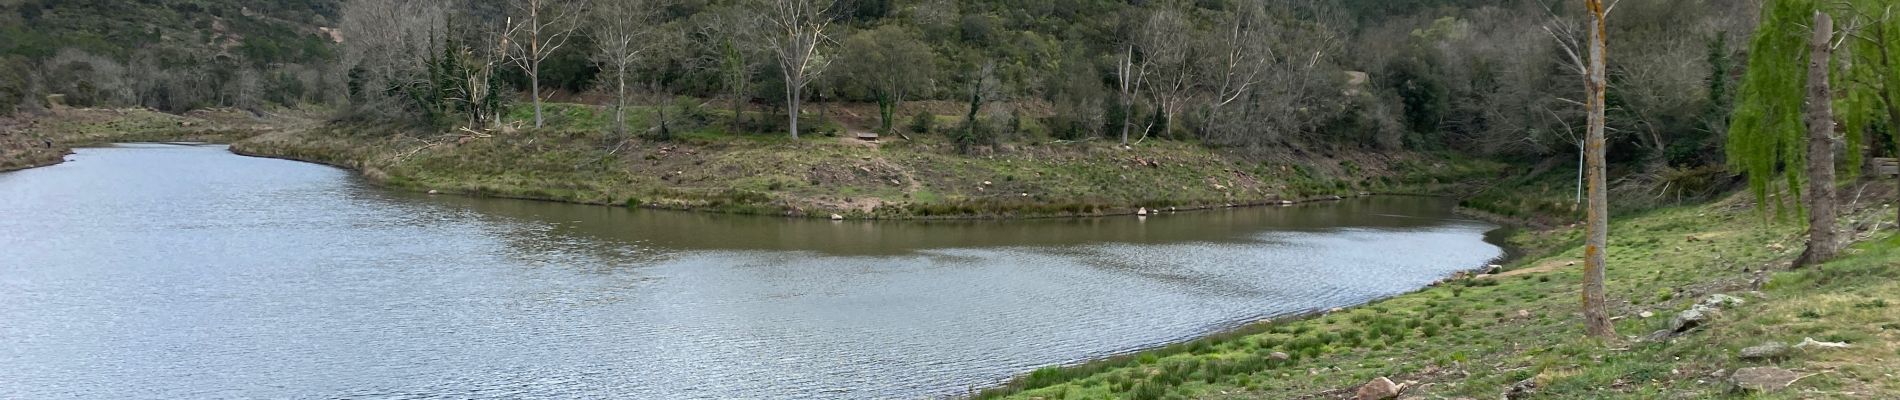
{"type": "Point", "coordinates": [164, 271]}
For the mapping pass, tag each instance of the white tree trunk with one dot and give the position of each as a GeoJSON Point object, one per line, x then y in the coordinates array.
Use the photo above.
{"type": "Point", "coordinates": [791, 108]}
{"type": "Point", "coordinates": [535, 85]}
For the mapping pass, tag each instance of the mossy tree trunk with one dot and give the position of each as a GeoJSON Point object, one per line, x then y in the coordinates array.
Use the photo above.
{"type": "Point", "coordinates": [1597, 220]}
{"type": "Point", "coordinates": [886, 110]}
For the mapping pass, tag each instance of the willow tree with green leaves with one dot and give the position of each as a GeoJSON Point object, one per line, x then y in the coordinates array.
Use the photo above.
{"type": "Point", "coordinates": [1798, 63]}
{"type": "Point", "coordinates": [1766, 132]}
{"type": "Point", "coordinates": [1872, 77]}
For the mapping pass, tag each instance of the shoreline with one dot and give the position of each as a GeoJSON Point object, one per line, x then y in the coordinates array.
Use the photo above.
{"type": "Point", "coordinates": [1511, 253]}
{"type": "Point", "coordinates": [355, 167]}
{"type": "Point", "coordinates": [446, 170]}
{"type": "Point", "coordinates": [1475, 335]}
{"type": "Point", "coordinates": [750, 174]}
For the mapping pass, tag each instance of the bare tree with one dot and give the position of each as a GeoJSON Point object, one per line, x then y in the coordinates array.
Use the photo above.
{"type": "Point", "coordinates": [481, 64]}
{"type": "Point", "coordinates": [388, 43]}
{"type": "Point", "coordinates": [247, 90]}
{"type": "Point", "coordinates": [1592, 65]}
{"type": "Point", "coordinates": [624, 31]}
{"type": "Point", "coordinates": [541, 28]}
{"type": "Point", "coordinates": [797, 35]}
{"type": "Point", "coordinates": [1164, 42]}
{"type": "Point", "coordinates": [730, 35]}
{"type": "Point", "coordinates": [1129, 77]}
{"type": "Point", "coordinates": [88, 79]}
{"type": "Point", "coordinates": [1237, 58]}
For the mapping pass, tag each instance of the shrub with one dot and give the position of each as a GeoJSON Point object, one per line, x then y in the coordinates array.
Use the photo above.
{"type": "Point", "coordinates": [921, 122]}
{"type": "Point", "coordinates": [1147, 391]}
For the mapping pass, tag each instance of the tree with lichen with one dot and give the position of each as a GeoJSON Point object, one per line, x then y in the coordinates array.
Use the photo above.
{"type": "Point", "coordinates": [1596, 314]}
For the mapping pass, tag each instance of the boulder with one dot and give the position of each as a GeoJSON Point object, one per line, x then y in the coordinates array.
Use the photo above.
{"type": "Point", "coordinates": [1142, 212]}
{"type": "Point", "coordinates": [1279, 356]}
{"type": "Point", "coordinates": [836, 217]}
{"type": "Point", "coordinates": [1763, 379]}
{"type": "Point", "coordinates": [1521, 390]}
{"type": "Point", "coordinates": [1378, 389]}
{"type": "Point", "coordinates": [1719, 301]}
{"type": "Point", "coordinates": [1659, 336]}
{"type": "Point", "coordinates": [1493, 269]}
{"type": "Point", "coordinates": [1689, 319]}
{"type": "Point", "coordinates": [433, 191]}
{"type": "Point", "coordinates": [1765, 351]}
{"type": "Point", "coordinates": [1645, 314]}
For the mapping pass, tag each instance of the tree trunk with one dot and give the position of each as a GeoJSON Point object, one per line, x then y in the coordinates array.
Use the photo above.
{"type": "Point", "coordinates": [534, 84]}
{"type": "Point", "coordinates": [1893, 118]}
{"type": "Point", "coordinates": [791, 106]}
{"type": "Point", "coordinates": [738, 107]}
{"type": "Point", "coordinates": [1128, 107]}
{"type": "Point", "coordinates": [1597, 220]}
{"type": "Point", "coordinates": [886, 109]}
{"type": "Point", "coordinates": [620, 103]}
{"type": "Point", "coordinates": [1821, 241]}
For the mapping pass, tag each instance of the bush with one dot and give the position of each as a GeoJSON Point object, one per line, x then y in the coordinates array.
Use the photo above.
{"type": "Point", "coordinates": [922, 122]}
{"type": "Point", "coordinates": [15, 90]}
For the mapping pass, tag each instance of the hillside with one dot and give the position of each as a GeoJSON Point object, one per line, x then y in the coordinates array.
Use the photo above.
{"type": "Point", "coordinates": [174, 55]}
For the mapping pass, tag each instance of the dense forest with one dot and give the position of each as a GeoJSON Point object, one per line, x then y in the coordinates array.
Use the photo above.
{"type": "Point", "coordinates": [1487, 77]}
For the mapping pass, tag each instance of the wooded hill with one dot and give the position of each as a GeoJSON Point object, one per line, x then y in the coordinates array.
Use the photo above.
{"type": "Point", "coordinates": [1487, 77]}
{"type": "Point", "coordinates": [173, 55]}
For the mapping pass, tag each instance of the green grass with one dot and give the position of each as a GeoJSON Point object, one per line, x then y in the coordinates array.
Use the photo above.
{"type": "Point", "coordinates": [702, 167]}
{"type": "Point", "coordinates": [1466, 338]}
{"type": "Point", "coordinates": [24, 144]}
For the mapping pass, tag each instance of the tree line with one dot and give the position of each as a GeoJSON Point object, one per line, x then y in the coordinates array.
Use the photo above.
{"type": "Point", "coordinates": [1490, 77]}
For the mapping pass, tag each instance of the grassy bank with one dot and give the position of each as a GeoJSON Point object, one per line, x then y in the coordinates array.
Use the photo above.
{"type": "Point", "coordinates": [1477, 337]}
{"type": "Point", "coordinates": [576, 159]}
{"type": "Point", "coordinates": [46, 137]}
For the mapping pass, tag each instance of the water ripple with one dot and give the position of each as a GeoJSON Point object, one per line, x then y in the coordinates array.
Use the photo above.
{"type": "Point", "coordinates": [156, 271]}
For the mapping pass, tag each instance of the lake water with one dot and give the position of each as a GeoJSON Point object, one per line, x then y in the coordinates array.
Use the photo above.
{"type": "Point", "coordinates": [183, 271]}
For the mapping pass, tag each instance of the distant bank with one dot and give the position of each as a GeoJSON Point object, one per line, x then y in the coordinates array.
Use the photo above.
{"type": "Point", "coordinates": [923, 177]}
